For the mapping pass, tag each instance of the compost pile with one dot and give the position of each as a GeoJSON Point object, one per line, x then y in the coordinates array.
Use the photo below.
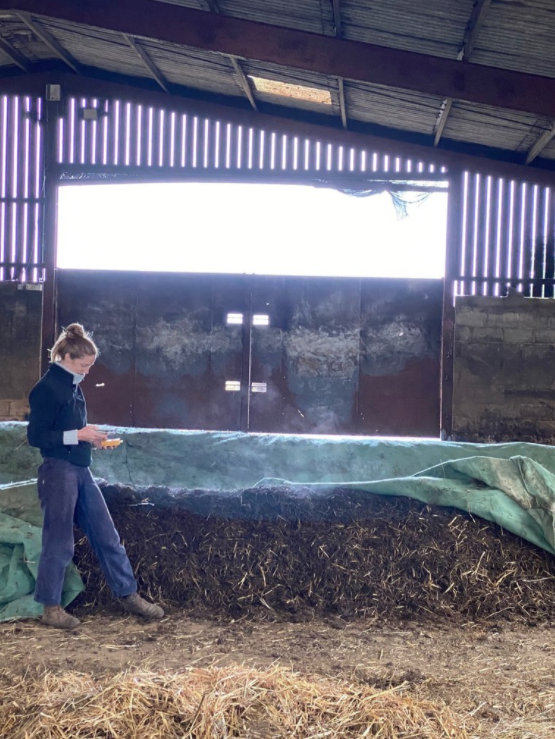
{"type": "Point", "coordinates": [269, 553]}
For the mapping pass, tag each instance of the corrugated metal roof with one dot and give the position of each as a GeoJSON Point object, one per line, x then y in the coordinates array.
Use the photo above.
{"type": "Point", "coordinates": [193, 68]}
{"type": "Point", "coordinates": [501, 129]}
{"type": "Point", "coordinates": [95, 48]}
{"type": "Point", "coordinates": [22, 40]}
{"type": "Point", "coordinates": [387, 106]}
{"type": "Point", "coordinates": [519, 36]}
{"type": "Point", "coordinates": [427, 26]}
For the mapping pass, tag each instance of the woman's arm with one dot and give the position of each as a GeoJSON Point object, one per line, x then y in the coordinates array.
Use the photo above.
{"type": "Point", "coordinates": [44, 409]}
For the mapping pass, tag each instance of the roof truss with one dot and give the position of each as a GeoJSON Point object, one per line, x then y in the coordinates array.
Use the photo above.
{"type": "Point", "coordinates": [147, 61]}
{"type": "Point", "coordinates": [14, 55]}
{"type": "Point", "coordinates": [336, 57]}
{"type": "Point", "coordinates": [52, 43]}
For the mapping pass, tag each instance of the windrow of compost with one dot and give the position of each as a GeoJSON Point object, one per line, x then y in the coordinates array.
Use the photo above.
{"type": "Point", "coordinates": [285, 555]}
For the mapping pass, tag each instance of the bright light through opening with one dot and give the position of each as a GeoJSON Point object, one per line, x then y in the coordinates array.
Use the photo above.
{"type": "Point", "coordinates": [246, 228]}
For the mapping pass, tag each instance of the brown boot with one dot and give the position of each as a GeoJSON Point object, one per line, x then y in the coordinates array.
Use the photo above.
{"type": "Point", "coordinates": [135, 604]}
{"type": "Point", "coordinates": [56, 616]}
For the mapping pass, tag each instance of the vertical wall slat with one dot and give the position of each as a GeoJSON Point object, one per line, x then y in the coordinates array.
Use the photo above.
{"type": "Point", "coordinates": [209, 150]}
{"type": "Point", "coordinates": [190, 142]}
{"type": "Point", "coordinates": [549, 242]}
{"type": "Point", "coordinates": [510, 235]}
{"type": "Point", "coordinates": [468, 234]}
{"type": "Point", "coordinates": [494, 185]}
{"type": "Point", "coordinates": [18, 234]}
{"type": "Point", "coordinates": [11, 190]}
{"type": "Point", "coordinates": [527, 246]}
{"type": "Point", "coordinates": [506, 234]}
{"type": "Point", "coordinates": [481, 241]}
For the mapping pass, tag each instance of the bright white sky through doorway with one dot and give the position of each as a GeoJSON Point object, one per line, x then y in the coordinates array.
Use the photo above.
{"type": "Point", "coordinates": [247, 228]}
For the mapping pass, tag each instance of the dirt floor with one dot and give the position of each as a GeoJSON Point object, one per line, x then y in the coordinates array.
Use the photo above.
{"type": "Point", "coordinates": [502, 678]}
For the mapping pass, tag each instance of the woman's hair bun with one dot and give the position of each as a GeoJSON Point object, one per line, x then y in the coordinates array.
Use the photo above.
{"type": "Point", "coordinates": [74, 331]}
{"type": "Point", "coordinates": [75, 341]}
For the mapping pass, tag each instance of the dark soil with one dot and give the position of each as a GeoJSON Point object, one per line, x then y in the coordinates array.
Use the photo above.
{"type": "Point", "coordinates": [400, 560]}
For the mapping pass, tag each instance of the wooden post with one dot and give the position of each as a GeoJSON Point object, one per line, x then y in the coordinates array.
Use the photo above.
{"type": "Point", "coordinates": [452, 269]}
{"type": "Point", "coordinates": [50, 222]}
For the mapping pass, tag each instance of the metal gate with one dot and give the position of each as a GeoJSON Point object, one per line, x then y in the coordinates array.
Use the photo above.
{"type": "Point", "coordinates": [266, 354]}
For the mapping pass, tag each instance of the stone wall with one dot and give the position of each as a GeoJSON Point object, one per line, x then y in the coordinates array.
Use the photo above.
{"type": "Point", "coordinates": [504, 370]}
{"type": "Point", "coordinates": [20, 326]}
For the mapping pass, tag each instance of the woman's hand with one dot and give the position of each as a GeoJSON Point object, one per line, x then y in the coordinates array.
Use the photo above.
{"type": "Point", "coordinates": [92, 435]}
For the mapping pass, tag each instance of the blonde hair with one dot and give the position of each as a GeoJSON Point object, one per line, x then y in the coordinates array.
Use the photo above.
{"type": "Point", "coordinates": [76, 342]}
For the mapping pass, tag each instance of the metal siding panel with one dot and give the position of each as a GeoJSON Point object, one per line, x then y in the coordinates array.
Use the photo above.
{"type": "Point", "coordinates": [400, 357]}
{"type": "Point", "coordinates": [308, 355]}
{"type": "Point", "coordinates": [105, 303]}
{"type": "Point", "coordinates": [185, 351]}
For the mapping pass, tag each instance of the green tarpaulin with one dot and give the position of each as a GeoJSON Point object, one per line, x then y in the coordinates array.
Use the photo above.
{"type": "Point", "coordinates": [510, 484]}
{"type": "Point", "coordinates": [20, 543]}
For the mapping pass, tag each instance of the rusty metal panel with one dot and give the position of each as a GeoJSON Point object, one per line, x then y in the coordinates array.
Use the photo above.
{"type": "Point", "coordinates": [307, 355]}
{"type": "Point", "coordinates": [105, 303]}
{"type": "Point", "coordinates": [399, 384]}
{"type": "Point", "coordinates": [186, 351]}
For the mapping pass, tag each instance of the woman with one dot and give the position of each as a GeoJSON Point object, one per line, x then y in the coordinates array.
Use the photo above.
{"type": "Point", "coordinates": [58, 427]}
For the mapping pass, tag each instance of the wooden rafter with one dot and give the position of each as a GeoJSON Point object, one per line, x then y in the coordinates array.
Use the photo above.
{"type": "Point", "coordinates": [541, 142]}
{"type": "Point", "coordinates": [342, 103]}
{"type": "Point", "coordinates": [336, 9]}
{"type": "Point", "coordinates": [49, 40]}
{"type": "Point", "coordinates": [475, 23]}
{"type": "Point", "coordinates": [424, 73]}
{"type": "Point", "coordinates": [14, 55]}
{"type": "Point", "coordinates": [147, 61]}
{"type": "Point", "coordinates": [243, 82]}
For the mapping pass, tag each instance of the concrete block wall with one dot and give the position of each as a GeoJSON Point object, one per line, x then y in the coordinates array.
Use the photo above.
{"type": "Point", "coordinates": [504, 369]}
{"type": "Point", "coordinates": [20, 327]}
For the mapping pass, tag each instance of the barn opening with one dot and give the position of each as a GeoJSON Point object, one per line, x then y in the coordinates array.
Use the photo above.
{"type": "Point", "coordinates": [267, 229]}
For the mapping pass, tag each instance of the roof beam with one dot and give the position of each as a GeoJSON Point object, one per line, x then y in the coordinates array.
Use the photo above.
{"type": "Point", "coordinates": [541, 142]}
{"type": "Point", "coordinates": [147, 61]}
{"type": "Point", "coordinates": [427, 74]}
{"type": "Point", "coordinates": [470, 35]}
{"type": "Point", "coordinates": [336, 8]}
{"type": "Point", "coordinates": [14, 55]}
{"type": "Point", "coordinates": [286, 121]}
{"type": "Point", "coordinates": [49, 41]}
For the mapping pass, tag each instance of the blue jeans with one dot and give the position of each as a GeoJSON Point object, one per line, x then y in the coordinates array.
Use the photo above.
{"type": "Point", "coordinates": [69, 494]}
